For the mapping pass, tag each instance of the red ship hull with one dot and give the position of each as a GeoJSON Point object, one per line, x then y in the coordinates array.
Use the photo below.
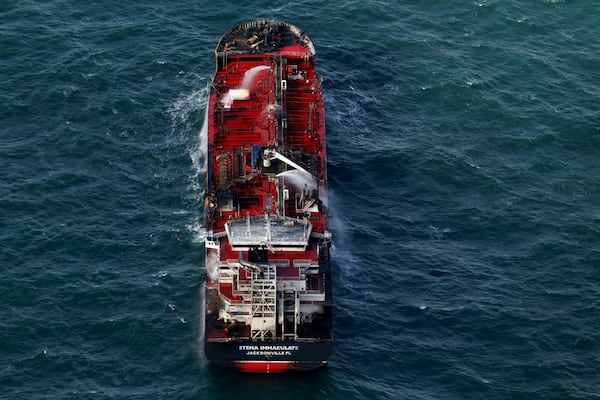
{"type": "Point", "coordinates": [274, 367]}
{"type": "Point", "coordinates": [268, 278]}
{"type": "Point", "coordinates": [269, 356]}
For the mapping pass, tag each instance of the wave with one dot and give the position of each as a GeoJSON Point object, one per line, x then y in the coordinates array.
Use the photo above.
{"type": "Point", "coordinates": [183, 114]}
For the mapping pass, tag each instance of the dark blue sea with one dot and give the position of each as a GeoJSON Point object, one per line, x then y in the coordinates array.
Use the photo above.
{"type": "Point", "coordinates": [464, 173]}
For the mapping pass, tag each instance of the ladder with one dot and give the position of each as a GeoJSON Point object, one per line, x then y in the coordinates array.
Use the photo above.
{"type": "Point", "coordinates": [264, 300]}
{"type": "Point", "coordinates": [290, 303]}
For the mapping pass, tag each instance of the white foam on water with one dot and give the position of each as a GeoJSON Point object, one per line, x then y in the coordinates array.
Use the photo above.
{"type": "Point", "coordinates": [181, 112]}
{"type": "Point", "coordinates": [202, 327]}
{"type": "Point", "coordinates": [198, 230]}
{"type": "Point", "coordinates": [341, 252]}
{"type": "Point", "coordinates": [198, 151]}
{"type": "Point", "coordinates": [187, 104]}
{"type": "Point", "coordinates": [174, 309]}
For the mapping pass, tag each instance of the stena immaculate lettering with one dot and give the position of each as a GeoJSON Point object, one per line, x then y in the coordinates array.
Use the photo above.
{"type": "Point", "coordinates": [268, 350]}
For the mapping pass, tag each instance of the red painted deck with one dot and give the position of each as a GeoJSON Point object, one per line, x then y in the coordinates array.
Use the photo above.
{"type": "Point", "coordinates": [265, 97]}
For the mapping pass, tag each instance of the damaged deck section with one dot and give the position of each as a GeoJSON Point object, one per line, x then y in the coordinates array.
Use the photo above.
{"type": "Point", "coordinates": [268, 282]}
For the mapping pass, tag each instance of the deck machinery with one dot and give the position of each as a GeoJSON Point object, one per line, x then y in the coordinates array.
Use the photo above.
{"type": "Point", "coordinates": [268, 277]}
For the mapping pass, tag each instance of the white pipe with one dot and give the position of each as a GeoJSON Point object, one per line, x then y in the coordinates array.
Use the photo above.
{"type": "Point", "coordinates": [272, 154]}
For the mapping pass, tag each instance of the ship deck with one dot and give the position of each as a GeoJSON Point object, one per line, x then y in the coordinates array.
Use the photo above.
{"type": "Point", "coordinates": [268, 276]}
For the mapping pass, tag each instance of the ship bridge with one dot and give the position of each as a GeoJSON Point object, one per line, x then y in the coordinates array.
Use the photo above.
{"type": "Point", "coordinates": [275, 233]}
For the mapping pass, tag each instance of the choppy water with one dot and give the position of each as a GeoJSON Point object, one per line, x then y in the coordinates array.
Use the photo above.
{"type": "Point", "coordinates": [464, 140]}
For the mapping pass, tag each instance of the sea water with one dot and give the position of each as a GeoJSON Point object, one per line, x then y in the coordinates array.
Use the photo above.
{"type": "Point", "coordinates": [463, 143]}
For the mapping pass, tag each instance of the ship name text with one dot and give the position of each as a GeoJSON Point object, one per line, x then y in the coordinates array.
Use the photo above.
{"type": "Point", "coordinates": [266, 350]}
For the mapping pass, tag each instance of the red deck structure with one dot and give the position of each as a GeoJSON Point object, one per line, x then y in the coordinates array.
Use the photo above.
{"type": "Point", "coordinates": [268, 286]}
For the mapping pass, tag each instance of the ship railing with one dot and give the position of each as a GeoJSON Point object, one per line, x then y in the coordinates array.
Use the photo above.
{"type": "Point", "coordinates": [229, 339]}
{"type": "Point", "coordinates": [260, 218]}
{"type": "Point", "coordinates": [233, 263]}
{"type": "Point", "coordinates": [212, 244]}
{"type": "Point", "coordinates": [233, 302]}
{"type": "Point", "coordinates": [302, 263]}
{"type": "Point", "coordinates": [312, 340]}
{"type": "Point", "coordinates": [239, 31]}
{"type": "Point", "coordinates": [245, 338]}
{"type": "Point", "coordinates": [312, 296]}
{"type": "Point", "coordinates": [289, 278]}
{"type": "Point", "coordinates": [279, 263]}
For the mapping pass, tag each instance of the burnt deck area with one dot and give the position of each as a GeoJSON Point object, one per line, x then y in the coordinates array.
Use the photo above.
{"type": "Point", "coordinates": [268, 276]}
{"type": "Point", "coordinates": [262, 36]}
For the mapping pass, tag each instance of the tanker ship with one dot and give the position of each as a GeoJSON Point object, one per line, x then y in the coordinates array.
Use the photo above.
{"type": "Point", "coordinates": [268, 297]}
